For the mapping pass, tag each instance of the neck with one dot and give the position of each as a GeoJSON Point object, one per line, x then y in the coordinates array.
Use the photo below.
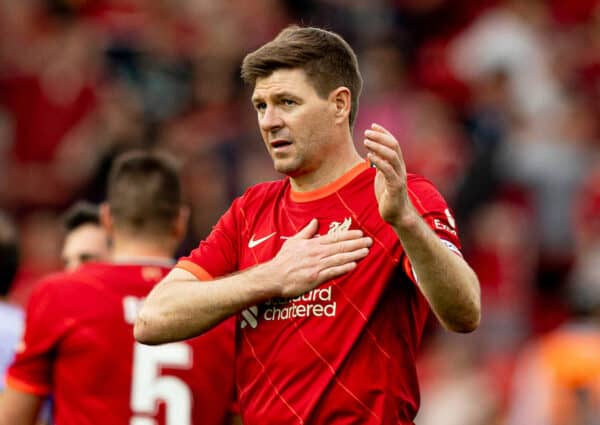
{"type": "Point", "coordinates": [139, 247]}
{"type": "Point", "coordinates": [333, 165]}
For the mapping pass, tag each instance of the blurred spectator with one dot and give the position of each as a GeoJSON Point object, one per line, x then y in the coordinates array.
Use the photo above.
{"type": "Point", "coordinates": [11, 316]}
{"type": "Point", "coordinates": [453, 375]}
{"type": "Point", "coordinates": [40, 237]}
{"type": "Point", "coordinates": [557, 378]}
{"type": "Point", "coordinates": [85, 238]}
{"type": "Point", "coordinates": [48, 96]}
{"type": "Point", "coordinates": [503, 256]}
{"type": "Point", "coordinates": [511, 37]}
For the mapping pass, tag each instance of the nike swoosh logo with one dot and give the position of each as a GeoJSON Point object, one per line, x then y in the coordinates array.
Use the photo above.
{"type": "Point", "coordinates": [254, 242]}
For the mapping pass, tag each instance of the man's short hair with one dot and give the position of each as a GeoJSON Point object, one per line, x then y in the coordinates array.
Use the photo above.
{"type": "Point", "coordinates": [9, 253]}
{"type": "Point", "coordinates": [327, 59]}
{"type": "Point", "coordinates": [144, 192]}
{"type": "Point", "coordinates": [81, 212]}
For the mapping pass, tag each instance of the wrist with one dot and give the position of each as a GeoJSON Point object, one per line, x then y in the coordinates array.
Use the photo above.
{"type": "Point", "coordinates": [266, 282]}
{"type": "Point", "coordinates": [407, 220]}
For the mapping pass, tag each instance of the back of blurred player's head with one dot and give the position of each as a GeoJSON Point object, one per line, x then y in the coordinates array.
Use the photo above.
{"type": "Point", "coordinates": [144, 193]}
{"type": "Point", "coordinates": [9, 253]}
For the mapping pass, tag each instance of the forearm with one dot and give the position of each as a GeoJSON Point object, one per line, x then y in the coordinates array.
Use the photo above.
{"type": "Point", "coordinates": [445, 279]}
{"type": "Point", "coordinates": [17, 407]}
{"type": "Point", "coordinates": [180, 307]}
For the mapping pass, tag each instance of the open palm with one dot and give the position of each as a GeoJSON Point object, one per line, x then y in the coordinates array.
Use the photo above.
{"type": "Point", "coordinates": [390, 180]}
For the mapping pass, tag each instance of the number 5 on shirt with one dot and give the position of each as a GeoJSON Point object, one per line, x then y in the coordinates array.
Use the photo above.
{"type": "Point", "coordinates": [148, 387]}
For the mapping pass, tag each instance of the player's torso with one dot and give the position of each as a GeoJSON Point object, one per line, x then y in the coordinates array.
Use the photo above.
{"type": "Point", "coordinates": [293, 351]}
{"type": "Point", "coordinates": [101, 371]}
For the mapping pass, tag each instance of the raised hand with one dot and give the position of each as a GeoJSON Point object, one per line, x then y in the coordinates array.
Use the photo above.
{"type": "Point", "coordinates": [390, 180]}
{"type": "Point", "coordinates": [305, 262]}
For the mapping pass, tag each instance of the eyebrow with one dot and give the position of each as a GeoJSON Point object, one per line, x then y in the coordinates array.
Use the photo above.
{"type": "Point", "coordinates": [277, 96]}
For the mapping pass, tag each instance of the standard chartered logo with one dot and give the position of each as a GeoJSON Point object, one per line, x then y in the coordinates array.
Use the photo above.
{"type": "Point", "coordinates": [315, 303]}
{"type": "Point", "coordinates": [250, 317]}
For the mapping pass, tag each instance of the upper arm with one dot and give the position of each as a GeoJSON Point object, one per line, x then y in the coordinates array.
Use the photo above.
{"type": "Point", "coordinates": [17, 407]}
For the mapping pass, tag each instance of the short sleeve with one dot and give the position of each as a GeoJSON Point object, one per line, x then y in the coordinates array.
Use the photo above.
{"type": "Point", "coordinates": [217, 255]}
{"type": "Point", "coordinates": [31, 370]}
{"type": "Point", "coordinates": [436, 213]}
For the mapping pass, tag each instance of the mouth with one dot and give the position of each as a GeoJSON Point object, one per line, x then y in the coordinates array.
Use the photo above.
{"type": "Point", "coordinates": [279, 144]}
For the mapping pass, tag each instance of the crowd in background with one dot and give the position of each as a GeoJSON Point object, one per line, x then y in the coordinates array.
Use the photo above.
{"type": "Point", "coordinates": [497, 102]}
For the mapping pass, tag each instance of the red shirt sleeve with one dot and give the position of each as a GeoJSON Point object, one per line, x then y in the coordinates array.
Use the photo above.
{"type": "Point", "coordinates": [217, 254]}
{"type": "Point", "coordinates": [31, 370]}
{"type": "Point", "coordinates": [435, 211]}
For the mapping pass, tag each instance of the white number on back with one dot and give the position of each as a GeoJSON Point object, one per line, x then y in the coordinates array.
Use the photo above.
{"type": "Point", "coordinates": [149, 387]}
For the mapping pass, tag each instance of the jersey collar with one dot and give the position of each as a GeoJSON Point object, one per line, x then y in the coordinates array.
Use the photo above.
{"type": "Point", "coordinates": [330, 188]}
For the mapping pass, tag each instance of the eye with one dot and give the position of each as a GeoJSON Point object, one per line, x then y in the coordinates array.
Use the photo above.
{"type": "Point", "coordinates": [289, 102]}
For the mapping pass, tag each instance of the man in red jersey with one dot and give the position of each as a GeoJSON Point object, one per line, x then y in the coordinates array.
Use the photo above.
{"type": "Point", "coordinates": [329, 320]}
{"type": "Point", "coordinates": [78, 343]}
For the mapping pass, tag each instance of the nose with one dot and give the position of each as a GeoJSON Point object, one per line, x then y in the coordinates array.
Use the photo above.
{"type": "Point", "coordinates": [270, 120]}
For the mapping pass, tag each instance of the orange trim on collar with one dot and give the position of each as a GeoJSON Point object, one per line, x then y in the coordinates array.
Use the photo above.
{"type": "Point", "coordinates": [330, 188]}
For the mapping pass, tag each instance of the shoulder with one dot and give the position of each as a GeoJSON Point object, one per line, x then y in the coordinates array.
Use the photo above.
{"type": "Point", "coordinates": [50, 295]}
{"type": "Point", "coordinates": [265, 188]}
{"type": "Point", "coordinates": [260, 194]}
{"type": "Point", "coordinates": [65, 284]}
{"type": "Point", "coordinates": [424, 195]}
{"type": "Point", "coordinates": [54, 282]}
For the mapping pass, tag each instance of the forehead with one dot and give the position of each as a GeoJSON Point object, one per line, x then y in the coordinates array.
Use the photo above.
{"type": "Point", "coordinates": [283, 80]}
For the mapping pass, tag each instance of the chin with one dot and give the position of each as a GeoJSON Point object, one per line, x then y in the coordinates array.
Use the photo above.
{"type": "Point", "coordinates": [289, 168]}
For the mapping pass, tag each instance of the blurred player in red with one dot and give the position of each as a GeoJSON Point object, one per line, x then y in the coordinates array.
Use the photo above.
{"type": "Point", "coordinates": [329, 320]}
{"type": "Point", "coordinates": [78, 343]}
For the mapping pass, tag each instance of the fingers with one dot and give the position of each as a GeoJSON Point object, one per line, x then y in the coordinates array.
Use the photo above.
{"type": "Point", "coordinates": [305, 263]}
{"type": "Point", "coordinates": [384, 151]}
{"type": "Point", "coordinates": [340, 263]}
{"type": "Point", "coordinates": [381, 135]}
{"type": "Point", "coordinates": [344, 257]}
{"type": "Point", "coordinates": [333, 272]}
{"type": "Point", "coordinates": [380, 128]}
{"type": "Point", "coordinates": [308, 231]}
{"type": "Point", "coordinates": [383, 145]}
{"type": "Point", "coordinates": [347, 245]}
{"type": "Point", "coordinates": [340, 236]}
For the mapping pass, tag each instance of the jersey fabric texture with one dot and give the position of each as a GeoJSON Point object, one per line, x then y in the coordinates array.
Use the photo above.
{"type": "Point", "coordinates": [11, 328]}
{"type": "Point", "coordinates": [79, 346]}
{"type": "Point", "coordinates": [345, 351]}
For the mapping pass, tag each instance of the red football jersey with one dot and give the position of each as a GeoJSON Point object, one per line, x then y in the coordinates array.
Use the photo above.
{"type": "Point", "coordinates": [79, 347]}
{"type": "Point", "coordinates": [345, 351]}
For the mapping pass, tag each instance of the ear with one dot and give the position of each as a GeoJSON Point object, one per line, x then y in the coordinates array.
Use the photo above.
{"type": "Point", "coordinates": [106, 218]}
{"type": "Point", "coordinates": [342, 101]}
{"type": "Point", "coordinates": [181, 222]}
